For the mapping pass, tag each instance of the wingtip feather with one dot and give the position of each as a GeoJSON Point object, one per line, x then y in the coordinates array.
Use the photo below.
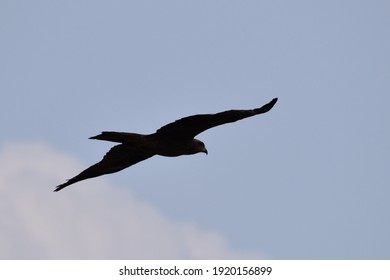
{"type": "Point", "coordinates": [60, 187]}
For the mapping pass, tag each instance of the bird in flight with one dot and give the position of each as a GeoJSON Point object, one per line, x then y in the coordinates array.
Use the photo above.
{"type": "Point", "coordinates": [171, 140]}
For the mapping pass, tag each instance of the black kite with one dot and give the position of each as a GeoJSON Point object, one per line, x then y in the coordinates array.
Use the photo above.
{"type": "Point", "coordinates": [171, 140]}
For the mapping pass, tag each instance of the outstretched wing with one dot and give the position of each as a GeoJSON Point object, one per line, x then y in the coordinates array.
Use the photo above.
{"type": "Point", "coordinates": [189, 127]}
{"type": "Point", "coordinates": [118, 158]}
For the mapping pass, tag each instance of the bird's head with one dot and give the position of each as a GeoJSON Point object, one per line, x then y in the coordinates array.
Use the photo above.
{"type": "Point", "coordinates": [198, 147]}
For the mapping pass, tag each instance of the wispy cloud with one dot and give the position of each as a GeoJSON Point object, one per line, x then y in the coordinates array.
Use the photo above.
{"type": "Point", "coordinates": [96, 221]}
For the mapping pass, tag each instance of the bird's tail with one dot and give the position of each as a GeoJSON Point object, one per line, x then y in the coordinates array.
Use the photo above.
{"type": "Point", "coordinates": [120, 137]}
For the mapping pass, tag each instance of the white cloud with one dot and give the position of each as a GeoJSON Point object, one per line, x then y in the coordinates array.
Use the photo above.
{"type": "Point", "coordinates": [95, 221]}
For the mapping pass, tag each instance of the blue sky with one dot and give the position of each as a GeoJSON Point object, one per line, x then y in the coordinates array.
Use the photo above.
{"type": "Point", "coordinates": [308, 180]}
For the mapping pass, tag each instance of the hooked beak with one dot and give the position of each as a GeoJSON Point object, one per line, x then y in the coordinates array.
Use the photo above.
{"type": "Point", "coordinates": [205, 151]}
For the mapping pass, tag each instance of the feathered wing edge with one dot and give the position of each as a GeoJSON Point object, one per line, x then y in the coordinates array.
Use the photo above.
{"type": "Point", "coordinates": [189, 127]}
{"type": "Point", "coordinates": [119, 157]}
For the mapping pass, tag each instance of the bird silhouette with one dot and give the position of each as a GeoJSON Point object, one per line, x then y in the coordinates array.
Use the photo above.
{"type": "Point", "coordinates": [171, 140]}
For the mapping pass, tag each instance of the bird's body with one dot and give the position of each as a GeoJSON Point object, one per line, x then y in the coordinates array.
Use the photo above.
{"type": "Point", "coordinates": [171, 140]}
{"type": "Point", "coordinates": [153, 143]}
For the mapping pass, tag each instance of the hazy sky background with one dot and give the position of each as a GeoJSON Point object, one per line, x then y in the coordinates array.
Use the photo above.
{"type": "Point", "coordinates": [308, 180]}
